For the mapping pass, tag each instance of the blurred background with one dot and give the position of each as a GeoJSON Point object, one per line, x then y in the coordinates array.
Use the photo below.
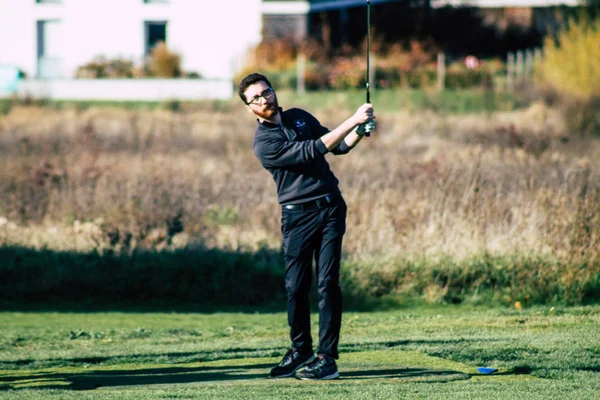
{"type": "Point", "coordinates": [127, 177]}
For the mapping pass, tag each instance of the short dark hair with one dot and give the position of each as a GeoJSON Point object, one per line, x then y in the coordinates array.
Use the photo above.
{"type": "Point", "coordinates": [250, 80]}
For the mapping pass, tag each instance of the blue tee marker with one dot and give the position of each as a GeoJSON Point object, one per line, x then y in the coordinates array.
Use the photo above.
{"type": "Point", "coordinates": [485, 370]}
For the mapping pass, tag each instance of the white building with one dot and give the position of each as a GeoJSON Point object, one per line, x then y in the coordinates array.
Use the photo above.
{"type": "Point", "coordinates": [52, 38]}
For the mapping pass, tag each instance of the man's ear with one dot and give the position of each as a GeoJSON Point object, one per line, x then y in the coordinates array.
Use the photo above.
{"type": "Point", "coordinates": [249, 109]}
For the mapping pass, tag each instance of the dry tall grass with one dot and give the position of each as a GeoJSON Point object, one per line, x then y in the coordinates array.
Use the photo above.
{"type": "Point", "coordinates": [425, 184]}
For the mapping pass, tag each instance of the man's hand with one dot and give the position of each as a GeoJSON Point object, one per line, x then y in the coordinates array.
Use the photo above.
{"type": "Point", "coordinates": [364, 114]}
{"type": "Point", "coordinates": [363, 129]}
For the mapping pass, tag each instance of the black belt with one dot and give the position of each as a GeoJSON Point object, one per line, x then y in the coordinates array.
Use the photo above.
{"type": "Point", "coordinates": [321, 202]}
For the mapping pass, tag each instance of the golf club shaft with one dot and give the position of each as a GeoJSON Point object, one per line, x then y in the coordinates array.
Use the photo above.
{"type": "Point", "coordinates": [368, 51]}
{"type": "Point", "coordinates": [368, 54]}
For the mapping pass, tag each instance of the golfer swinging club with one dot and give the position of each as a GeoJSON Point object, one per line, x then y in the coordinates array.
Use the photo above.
{"type": "Point", "coordinates": [291, 145]}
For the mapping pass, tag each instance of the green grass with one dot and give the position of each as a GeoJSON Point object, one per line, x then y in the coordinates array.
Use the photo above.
{"type": "Point", "coordinates": [199, 278]}
{"type": "Point", "coordinates": [134, 105]}
{"type": "Point", "coordinates": [393, 100]}
{"type": "Point", "coordinates": [433, 352]}
{"type": "Point", "coordinates": [385, 100]}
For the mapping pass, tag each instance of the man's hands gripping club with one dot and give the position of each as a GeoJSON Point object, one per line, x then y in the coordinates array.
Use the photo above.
{"type": "Point", "coordinates": [365, 119]}
{"type": "Point", "coordinates": [350, 130]}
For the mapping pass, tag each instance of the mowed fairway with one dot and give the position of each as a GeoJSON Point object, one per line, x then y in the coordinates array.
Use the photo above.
{"type": "Point", "coordinates": [431, 352]}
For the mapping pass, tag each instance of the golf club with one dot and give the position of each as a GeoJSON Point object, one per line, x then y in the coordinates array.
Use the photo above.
{"type": "Point", "coordinates": [369, 126]}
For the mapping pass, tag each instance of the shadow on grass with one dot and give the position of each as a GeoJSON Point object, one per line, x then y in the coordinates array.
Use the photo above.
{"type": "Point", "coordinates": [130, 377]}
{"type": "Point", "coordinates": [181, 375]}
{"type": "Point", "coordinates": [224, 354]}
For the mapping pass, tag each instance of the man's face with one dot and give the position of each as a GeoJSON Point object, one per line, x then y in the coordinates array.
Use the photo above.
{"type": "Point", "coordinates": [262, 100]}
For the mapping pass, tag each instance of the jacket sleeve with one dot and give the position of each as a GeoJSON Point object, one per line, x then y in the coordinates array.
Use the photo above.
{"type": "Point", "coordinates": [319, 130]}
{"type": "Point", "coordinates": [280, 152]}
{"type": "Point", "coordinates": [341, 149]}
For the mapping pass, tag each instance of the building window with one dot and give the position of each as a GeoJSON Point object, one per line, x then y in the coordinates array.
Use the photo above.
{"type": "Point", "coordinates": [154, 32]}
{"type": "Point", "coordinates": [49, 49]}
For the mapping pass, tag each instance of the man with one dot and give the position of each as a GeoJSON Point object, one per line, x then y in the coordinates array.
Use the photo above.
{"type": "Point", "coordinates": [291, 145]}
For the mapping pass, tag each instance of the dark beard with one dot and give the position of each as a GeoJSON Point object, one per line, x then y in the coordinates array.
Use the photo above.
{"type": "Point", "coordinates": [268, 112]}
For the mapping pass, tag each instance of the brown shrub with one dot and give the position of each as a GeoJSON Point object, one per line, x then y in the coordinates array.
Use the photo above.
{"type": "Point", "coordinates": [164, 63]}
{"type": "Point", "coordinates": [106, 68]}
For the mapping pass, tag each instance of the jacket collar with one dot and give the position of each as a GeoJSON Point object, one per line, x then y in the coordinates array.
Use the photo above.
{"type": "Point", "coordinates": [270, 124]}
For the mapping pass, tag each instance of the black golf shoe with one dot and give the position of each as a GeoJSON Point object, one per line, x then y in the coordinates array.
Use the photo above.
{"type": "Point", "coordinates": [290, 363]}
{"type": "Point", "coordinates": [322, 368]}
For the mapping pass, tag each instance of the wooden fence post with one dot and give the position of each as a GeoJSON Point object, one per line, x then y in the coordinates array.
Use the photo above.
{"type": "Point", "coordinates": [529, 65]}
{"type": "Point", "coordinates": [300, 81]}
{"type": "Point", "coordinates": [441, 71]}
{"type": "Point", "coordinates": [510, 64]}
{"type": "Point", "coordinates": [519, 67]}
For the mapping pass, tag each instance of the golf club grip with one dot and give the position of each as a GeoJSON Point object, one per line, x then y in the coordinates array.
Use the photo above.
{"type": "Point", "coordinates": [367, 134]}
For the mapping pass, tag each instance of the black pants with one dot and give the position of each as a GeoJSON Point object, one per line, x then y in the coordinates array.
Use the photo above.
{"type": "Point", "coordinates": [314, 233]}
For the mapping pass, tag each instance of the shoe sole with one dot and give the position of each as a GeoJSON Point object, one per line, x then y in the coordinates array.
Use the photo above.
{"type": "Point", "coordinates": [335, 375]}
{"type": "Point", "coordinates": [294, 371]}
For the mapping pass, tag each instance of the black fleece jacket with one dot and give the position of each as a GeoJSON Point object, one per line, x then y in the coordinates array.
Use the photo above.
{"type": "Point", "coordinates": [294, 154]}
